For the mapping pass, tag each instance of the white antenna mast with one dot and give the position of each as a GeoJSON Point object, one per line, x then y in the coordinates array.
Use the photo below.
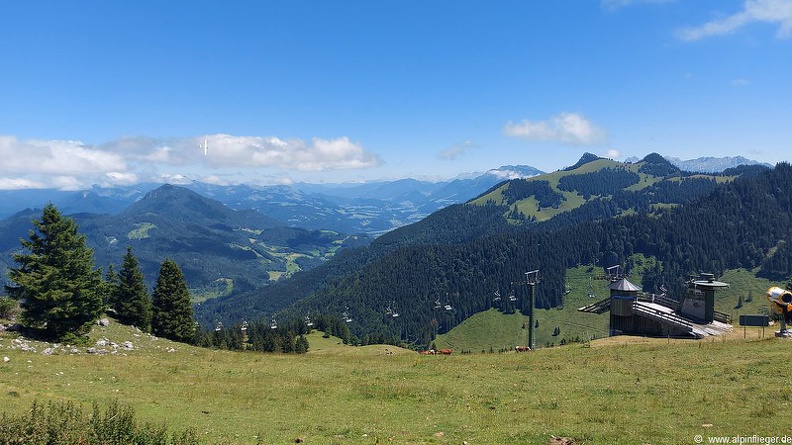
{"type": "Point", "coordinates": [205, 147]}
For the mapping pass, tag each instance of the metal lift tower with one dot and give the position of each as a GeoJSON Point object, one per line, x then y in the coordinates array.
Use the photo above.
{"type": "Point", "coordinates": [531, 279]}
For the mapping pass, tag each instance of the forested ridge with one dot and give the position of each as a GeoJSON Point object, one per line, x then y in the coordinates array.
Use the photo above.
{"type": "Point", "coordinates": [461, 257]}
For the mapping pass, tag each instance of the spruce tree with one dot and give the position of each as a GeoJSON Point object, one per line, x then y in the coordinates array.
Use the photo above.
{"type": "Point", "coordinates": [172, 315]}
{"type": "Point", "coordinates": [131, 300]}
{"type": "Point", "coordinates": [56, 284]}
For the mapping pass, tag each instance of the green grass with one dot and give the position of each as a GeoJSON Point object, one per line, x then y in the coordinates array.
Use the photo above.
{"type": "Point", "coordinates": [486, 331]}
{"type": "Point", "coordinates": [611, 393]}
{"type": "Point", "coordinates": [142, 230]}
{"type": "Point", "coordinates": [219, 288]}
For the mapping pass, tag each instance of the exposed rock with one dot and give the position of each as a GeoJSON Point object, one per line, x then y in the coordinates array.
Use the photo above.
{"type": "Point", "coordinates": [103, 322]}
{"type": "Point", "coordinates": [6, 359]}
{"type": "Point", "coordinates": [562, 441]}
{"type": "Point", "coordinates": [128, 345]}
{"type": "Point", "coordinates": [22, 345]}
{"type": "Point", "coordinates": [48, 351]}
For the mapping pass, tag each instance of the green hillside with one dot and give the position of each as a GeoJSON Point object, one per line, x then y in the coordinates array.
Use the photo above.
{"type": "Point", "coordinates": [460, 256]}
{"type": "Point", "coordinates": [615, 393]}
{"type": "Point", "coordinates": [650, 172]}
{"type": "Point", "coordinates": [494, 330]}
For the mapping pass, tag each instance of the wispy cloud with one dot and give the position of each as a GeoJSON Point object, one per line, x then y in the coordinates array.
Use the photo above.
{"type": "Point", "coordinates": [777, 12]}
{"type": "Point", "coordinates": [55, 157]}
{"type": "Point", "coordinates": [458, 150]}
{"type": "Point", "coordinates": [69, 165]}
{"type": "Point", "coordinates": [567, 128]}
{"type": "Point", "coordinates": [294, 154]}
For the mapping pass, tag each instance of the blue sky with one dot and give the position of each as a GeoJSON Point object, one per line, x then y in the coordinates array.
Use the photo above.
{"type": "Point", "coordinates": [117, 92]}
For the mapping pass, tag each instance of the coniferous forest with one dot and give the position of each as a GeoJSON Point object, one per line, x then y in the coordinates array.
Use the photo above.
{"type": "Point", "coordinates": [438, 272]}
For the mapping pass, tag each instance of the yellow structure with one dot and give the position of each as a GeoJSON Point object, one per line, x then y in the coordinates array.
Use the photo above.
{"type": "Point", "coordinates": [781, 304]}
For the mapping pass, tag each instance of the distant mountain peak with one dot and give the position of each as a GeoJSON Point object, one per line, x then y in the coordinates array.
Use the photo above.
{"type": "Point", "coordinates": [183, 204]}
{"type": "Point", "coordinates": [585, 159]}
{"type": "Point", "coordinates": [514, 172]}
{"type": "Point", "coordinates": [710, 164]}
{"type": "Point", "coordinates": [655, 164]}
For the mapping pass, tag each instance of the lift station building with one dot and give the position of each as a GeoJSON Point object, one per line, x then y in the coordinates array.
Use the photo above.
{"type": "Point", "coordinates": [635, 313]}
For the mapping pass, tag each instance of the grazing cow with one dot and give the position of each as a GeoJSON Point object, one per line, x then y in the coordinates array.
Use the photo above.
{"type": "Point", "coordinates": [428, 352]}
{"type": "Point", "coordinates": [445, 351]}
{"type": "Point", "coordinates": [522, 348]}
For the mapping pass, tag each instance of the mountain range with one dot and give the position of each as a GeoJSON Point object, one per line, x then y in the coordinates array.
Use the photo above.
{"type": "Point", "coordinates": [712, 164]}
{"type": "Point", "coordinates": [219, 249]}
{"type": "Point", "coordinates": [450, 265]}
{"type": "Point", "coordinates": [371, 207]}
{"type": "Point", "coordinates": [235, 243]}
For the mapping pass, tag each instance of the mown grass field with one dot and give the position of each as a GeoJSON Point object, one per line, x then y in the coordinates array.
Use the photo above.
{"type": "Point", "coordinates": [617, 391]}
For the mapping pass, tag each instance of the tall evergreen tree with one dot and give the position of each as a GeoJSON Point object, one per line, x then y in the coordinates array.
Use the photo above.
{"type": "Point", "coordinates": [130, 299]}
{"type": "Point", "coordinates": [56, 283]}
{"type": "Point", "coordinates": [172, 312]}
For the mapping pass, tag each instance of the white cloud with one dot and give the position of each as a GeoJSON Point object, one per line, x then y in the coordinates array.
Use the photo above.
{"type": "Point", "coordinates": [20, 183]}
{"type": "Point", "coordinates": [294, 154]}
{"type": "Point", "coordinates": [71, 165]}
{"type": "Point", "coordinates": [55, 157]}
{"type": "Point", "coordinates": [67, 183]}
{"type": "Point", "coordinates": [613, 154]}
{"type": "Point", "coordinates": [122, 178]}
{"type": "Point", "coordinates": [458, 150]}
{"type": "Point", "coordinates": [568, 128]}
{"type": "Point", "coordinates": [778, 12]}
{"type": "Point", "coordinates": [739, 82]}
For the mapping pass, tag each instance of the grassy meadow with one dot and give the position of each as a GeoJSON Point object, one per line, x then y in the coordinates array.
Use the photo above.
{"type": "Point", "coordinates": [614, 391]}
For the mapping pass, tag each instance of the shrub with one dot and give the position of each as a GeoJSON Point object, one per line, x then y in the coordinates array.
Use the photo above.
{"type": "Point", "coordinates": [9, 308]}
{"type": "Point", "coordinates": [63, 423]}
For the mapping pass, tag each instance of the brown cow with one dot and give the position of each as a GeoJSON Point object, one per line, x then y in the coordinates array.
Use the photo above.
{"type": "Point", "coordinates": [522, 348]}
{"type": "Point", "coordinates": [445, 351]}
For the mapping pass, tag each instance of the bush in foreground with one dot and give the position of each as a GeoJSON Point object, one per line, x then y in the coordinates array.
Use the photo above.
{"type": "Point", "coordinates": [64, 423]}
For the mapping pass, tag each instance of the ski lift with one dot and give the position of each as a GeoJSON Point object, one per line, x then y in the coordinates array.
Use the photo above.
{"type": "Point", "coordinates": [219, 326]}
{"type": "Point", "coordinates": [346, 317]}
{"type": "Point", "coordinates": [308, 321]}
{"type": "Point", "coordinates": [448, 307]}
{"type": "Point", "coordinates": [244, 326]}
{"type": "Point", "coordinates": [497, 296]}
{"type": "Point", "coordinates": [591, 293]}
{"type": "Point", "coordinates": [512, 297]}
{"type": "Point", "coordinates": [273, 324]}
{"type": "Point", "coordinates": [438, 304]}
{"type": "Point", "coordinates": [392, 312]}
{"type": "Point", "coordinates": [567, 289]}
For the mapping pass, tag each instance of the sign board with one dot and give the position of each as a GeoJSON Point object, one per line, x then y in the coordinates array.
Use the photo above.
{"type": "Point", "coordinates": [755, 320]}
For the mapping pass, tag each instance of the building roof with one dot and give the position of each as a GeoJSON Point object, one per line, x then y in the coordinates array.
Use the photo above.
{"type": "Point", "coordinates": [624, 286]}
